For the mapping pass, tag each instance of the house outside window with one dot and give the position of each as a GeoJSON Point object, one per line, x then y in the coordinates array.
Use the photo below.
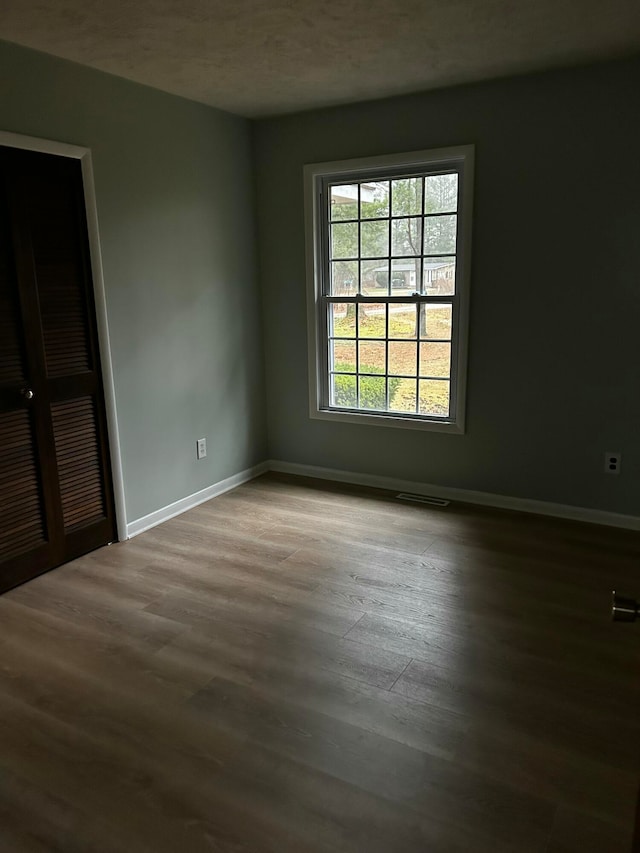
{"type": "Point", "coordinates": [388, 253]}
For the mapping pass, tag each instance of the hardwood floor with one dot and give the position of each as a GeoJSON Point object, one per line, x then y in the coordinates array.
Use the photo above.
{"type": "Point", "coordinates": [302, 666]}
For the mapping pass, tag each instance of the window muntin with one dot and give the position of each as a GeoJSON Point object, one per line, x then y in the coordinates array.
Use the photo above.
{"type": "Point", "coordinates": [391, 262]}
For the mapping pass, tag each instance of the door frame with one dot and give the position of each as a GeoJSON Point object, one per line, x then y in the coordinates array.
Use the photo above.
{"type": "Point", "coordinates": [63, 149]}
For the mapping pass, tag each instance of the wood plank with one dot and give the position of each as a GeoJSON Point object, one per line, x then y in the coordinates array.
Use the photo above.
{"type": "Point", "coordinates": [425, 783]}
{"type": "Point", "coordinates": [252, 643]}
{"type": "Point", "coordinates": [247, 680]}
{"type": "Point", "coordinates": [579, 832]}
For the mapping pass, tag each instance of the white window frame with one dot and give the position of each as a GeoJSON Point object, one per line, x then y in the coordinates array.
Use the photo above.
{"type": "Point", "coordinates": [316, 176]}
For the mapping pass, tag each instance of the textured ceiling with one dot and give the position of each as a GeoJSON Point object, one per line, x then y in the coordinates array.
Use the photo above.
{"type": "Point", "coordinates": [263, 57]}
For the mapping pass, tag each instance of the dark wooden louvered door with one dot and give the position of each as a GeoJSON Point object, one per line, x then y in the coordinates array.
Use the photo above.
{"type": "Point", "coordinates": [56, 496]}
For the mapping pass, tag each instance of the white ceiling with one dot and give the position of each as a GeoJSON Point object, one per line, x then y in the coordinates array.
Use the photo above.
{"type": "Point", "coordinates": [264, 57]}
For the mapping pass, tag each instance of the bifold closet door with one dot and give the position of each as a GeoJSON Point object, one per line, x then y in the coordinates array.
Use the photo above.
{"type": "Point", "coordinates": [56, 496]}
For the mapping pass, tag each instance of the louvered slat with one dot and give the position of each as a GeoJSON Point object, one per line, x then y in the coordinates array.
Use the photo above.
{"type": "Point", "coordinates": [11, 361]}
{"type": "Point", "coordinates": [81, 490]}
{"type": "Point", "coordinates": [64, 324]}
{"type": "Point", "coordinates": [77, 466]}
{"type": "Point", "coordinates": [21, 522]}
{"type": "Point", "coordinates": [15, 450]}
{"type": "Point", "coordinates": [16, 495]}
{"type": "Point", "coordinates": [56, 241]}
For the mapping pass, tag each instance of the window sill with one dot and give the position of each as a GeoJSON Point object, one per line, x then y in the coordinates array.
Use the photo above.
{"type": "Point", "coordinates": [386, 420]}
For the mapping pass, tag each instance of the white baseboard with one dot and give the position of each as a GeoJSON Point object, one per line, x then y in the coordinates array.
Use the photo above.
{"type": "Point", "coordinates": [178, 507]}
{"type": "Point", "coordinates": [572, 513]}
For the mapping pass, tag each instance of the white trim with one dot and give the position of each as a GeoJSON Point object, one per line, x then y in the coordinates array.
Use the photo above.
{"type": "Point", "coordinates": [100, 300]}
{"type": "Point", "coordinates": [385, 419]}
{"type": "Point", "coordinates": [461, 156]}
{"type": "Point", "coordinates": [191, 501]}
{"type": "Point", "coordinates": [75, 152]}
{"type": "Point", "coordinates": [44, 146]}
{"type": "Point", "coordinates": [433, 156]}
{"type": "Point", "coordinates": [572, 513]}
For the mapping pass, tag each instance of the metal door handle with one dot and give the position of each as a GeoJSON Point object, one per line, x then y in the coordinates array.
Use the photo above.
{"type": "Point", "coordinates": [624, 609]}
{"type": "Point", "coordinates": [27, 393]}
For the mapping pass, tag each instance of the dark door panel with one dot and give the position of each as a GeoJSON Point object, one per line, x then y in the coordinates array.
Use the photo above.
{"type": "Point", "coordinates": [55, 483]}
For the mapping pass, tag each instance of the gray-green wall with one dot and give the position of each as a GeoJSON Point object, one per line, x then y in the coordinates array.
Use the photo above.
{"type": "Point", "coordinates": [554, 358]}
{"type": "Point", "coordinates": [554, 372]}
{"type": "Point", "coordinates": [176, 217]}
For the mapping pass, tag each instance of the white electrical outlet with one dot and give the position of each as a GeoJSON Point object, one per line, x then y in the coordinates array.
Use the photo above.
{"type": "Point", "coordinates": [201, 448]}
{"type": "Point", "coordinates": [612, 462]}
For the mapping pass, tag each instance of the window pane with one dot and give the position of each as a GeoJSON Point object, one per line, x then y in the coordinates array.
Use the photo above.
{"type": "Point", "coordinates": [344, 356]}
{"type": "Point", "coordinates": [344, 278]}
{"type": "Point", "coordinates": [434, 397]}
{"type": "Point", "coordinates": [372, 320]}
{"type": "Point", "coordinates": [375, 278]}
{"type": "Point", "coordinates": [406, 195]}
{"type": "Point", "coordinates": [373, 392]}
{"type": "Point", "coordinates": [402, 395]}
{"type": "Point", "coordinates": [374, 199]}
{"type": "Point", "coordinates": [441, 193]}
{"type": "Point", "coordinates": [435, 359]}
{"type": "Point", "coordinates": [374, 239]}
{"type": "Point", "coordinates": [439, 276]}
{"type": "Point", "coordinates": [402, 321]}
{"type": "Point", "coordinates": [435, 321]}
{"type": "Point", "coordinates": [403, 357]}
{"type": "Point", "coordinates": [372, 357]}
{"type": "Point", "coordinates": [344, 202]}
{"type": "Point", "coordinates": [342, 320]}
{"type": "Point", "coordinates": [343, 391]}
{"type": "Point", "coordinates": [405, 276]}
{"type": "Point", "coordinates": [405, 236]}
{"type": "Point", "coordinates": [440, 234]}
{"type": "Point", "coordinates": [344, 240]}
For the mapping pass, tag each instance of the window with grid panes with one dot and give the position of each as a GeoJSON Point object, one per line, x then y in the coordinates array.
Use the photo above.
{"type": "Point", "coordinates": [388, 246]}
